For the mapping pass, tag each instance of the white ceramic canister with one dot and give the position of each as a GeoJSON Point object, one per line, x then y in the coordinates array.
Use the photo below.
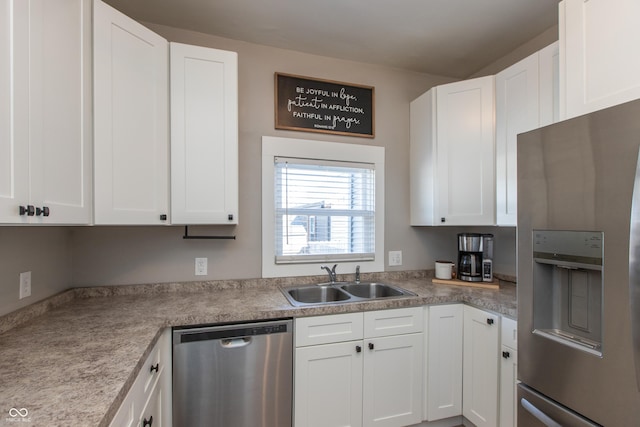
{"type": "Point", "coordinates": [444, 270]}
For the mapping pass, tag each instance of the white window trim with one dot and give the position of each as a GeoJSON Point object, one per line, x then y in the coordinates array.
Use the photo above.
{"type": "Point", "coordinates": [288, 147]}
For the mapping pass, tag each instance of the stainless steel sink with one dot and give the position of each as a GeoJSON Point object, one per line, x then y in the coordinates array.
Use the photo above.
{"type": "Point", "coordinates": [342, 292]}
{"type": "Point", "coordinates": [316, 294]}
{"type": "Point", "coordinates": [373, 290]}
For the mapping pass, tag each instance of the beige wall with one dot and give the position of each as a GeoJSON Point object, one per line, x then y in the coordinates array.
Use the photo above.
{"type": "Point", "coordinates": [530, 47]}
{"type": "Point", "coordinates": [121, 255]}
{"type": "Point", "coordinates": [45, 251]}
{"type": "Point", "coordinates": [80, 256]}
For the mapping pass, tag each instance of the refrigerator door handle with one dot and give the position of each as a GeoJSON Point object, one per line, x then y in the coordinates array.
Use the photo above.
{"type": "Point", "coordinates": [538, 414]}
{"type": "Point", "coordinates": [634, 272]}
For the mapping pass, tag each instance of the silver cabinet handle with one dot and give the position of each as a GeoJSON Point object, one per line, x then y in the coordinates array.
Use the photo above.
{"type": "Point", "coordinates": [538, 414]}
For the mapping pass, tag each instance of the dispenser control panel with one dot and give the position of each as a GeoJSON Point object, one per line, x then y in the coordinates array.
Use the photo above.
{"type": "Point", "coordinates": [584, 247]}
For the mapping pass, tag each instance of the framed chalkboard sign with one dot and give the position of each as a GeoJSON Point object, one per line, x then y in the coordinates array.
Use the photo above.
{"type": "Point", "coordinates": [315, 105]}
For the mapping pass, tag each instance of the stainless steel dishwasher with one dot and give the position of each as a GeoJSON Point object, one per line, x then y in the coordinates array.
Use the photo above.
{"type": "Point", "coordinates": [237, 375]}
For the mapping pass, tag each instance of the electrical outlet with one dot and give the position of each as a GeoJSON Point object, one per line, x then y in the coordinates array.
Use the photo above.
{"type": "Point", "coordinates": [201, 266]}
{"type": "Point", "coordinates": [395, 258]}
{"type": "Point", "coordinates": [25, 284]}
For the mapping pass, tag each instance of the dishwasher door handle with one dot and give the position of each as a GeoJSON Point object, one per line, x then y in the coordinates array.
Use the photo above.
{"type": "Point", "coordinates": [235, 342]}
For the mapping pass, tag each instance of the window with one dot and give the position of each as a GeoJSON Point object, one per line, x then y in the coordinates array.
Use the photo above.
{"type": "Point", "coordinates": [324, 211]}
{"type": "Point", "coordinates": [322, 203]}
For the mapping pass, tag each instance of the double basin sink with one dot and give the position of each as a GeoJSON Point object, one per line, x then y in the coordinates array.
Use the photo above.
{"type": "Point", "coordinates": [342, 292]}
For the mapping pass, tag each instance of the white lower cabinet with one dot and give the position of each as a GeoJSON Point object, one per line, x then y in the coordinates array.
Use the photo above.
{"type": "Point", "coordinates": [480, 375]}
{"type": "Point", "coordinates": [148, 402]}
{"type": "Point", "coordinates": [328, 385]}
{"type": "Point", "coordinates": [508, 373]}
{"type": "Point", "coordinates": [359, 369]}
{"type": "Point", "coordinates": [443, 395]}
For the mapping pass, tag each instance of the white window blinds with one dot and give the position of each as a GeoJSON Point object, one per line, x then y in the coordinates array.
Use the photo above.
{"type": "Point", "coordinates": [324, 210]}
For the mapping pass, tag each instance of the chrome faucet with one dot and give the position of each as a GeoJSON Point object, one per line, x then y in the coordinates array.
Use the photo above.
{"type": "Point", "coordinates": [331, 272]}
{"type": "Point", "coordinates": [357, 274]}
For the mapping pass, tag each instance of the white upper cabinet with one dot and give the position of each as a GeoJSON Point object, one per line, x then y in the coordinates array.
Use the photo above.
{"type": "Point", "coordinates": [131, 121]}
{"type": "Point", "coordinates": [549, 84]}
{"type": "Point", "coordinates": [204, 135]}
{"type": "Point", "coordinates": [14, 160]}
{"type": "Point", "coordinates": [452, 154]}
{"type": "Point", "coordinates": [526, 98]}
{"type": "Point", "coordinates": [45, 111]}
{"type": "Point", "coordinates": [598, 41]}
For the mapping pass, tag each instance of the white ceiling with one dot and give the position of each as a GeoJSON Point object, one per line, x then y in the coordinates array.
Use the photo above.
{"type": "Point", "coordinates": [446, 37]}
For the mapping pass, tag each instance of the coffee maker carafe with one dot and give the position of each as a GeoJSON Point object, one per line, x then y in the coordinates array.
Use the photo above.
{"type": "Point", "coordinates": [470, 249]}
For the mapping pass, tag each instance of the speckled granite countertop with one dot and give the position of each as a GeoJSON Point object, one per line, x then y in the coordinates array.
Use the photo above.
{"type": "Point", "coordinates": [70, 360]}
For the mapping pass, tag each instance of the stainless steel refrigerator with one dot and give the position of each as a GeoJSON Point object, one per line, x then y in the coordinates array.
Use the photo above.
{"type": "Point", "coordinates": [579, 271]}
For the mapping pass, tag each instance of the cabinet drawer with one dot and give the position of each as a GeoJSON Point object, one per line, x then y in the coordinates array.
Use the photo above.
{"type": "Point", "coordinates": [509, 333]}
{"type": "Point", "coordinates": [328, 329]}
{"type": "Point", "coordinates": [398, 321]}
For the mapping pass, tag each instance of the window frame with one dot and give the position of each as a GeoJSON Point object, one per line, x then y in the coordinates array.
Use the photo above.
{"type": "Point", "coordinates": [333, 151]}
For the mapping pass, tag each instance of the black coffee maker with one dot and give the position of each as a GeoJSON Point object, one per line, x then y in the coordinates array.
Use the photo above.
{"type": "Point", "coordinates": [470, 247]}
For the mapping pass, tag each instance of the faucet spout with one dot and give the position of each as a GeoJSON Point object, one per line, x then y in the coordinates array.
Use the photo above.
{"type": "Point", "coordinates": [331, 272]}
{"type": "Point", "coordinates": [357, 274]}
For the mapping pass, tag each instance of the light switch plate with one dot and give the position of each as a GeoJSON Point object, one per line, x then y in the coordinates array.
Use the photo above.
{"type": "Point", "coordinates": [201, 266]}
{"type": "Point", "coordinates": [395, 258]}
{"type": "Point", "coordinates": [25, 284]}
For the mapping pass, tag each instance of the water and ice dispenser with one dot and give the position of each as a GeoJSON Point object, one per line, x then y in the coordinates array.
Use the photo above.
{"type": "Point", "coordinates": [568, 287]}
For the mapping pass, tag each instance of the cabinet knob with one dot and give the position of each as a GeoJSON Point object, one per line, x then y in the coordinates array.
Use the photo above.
{"type": "Point", "coordinates": [44, 211]}
{"type": "Point", "coordinates": [489, 321]}
{"type": "Point", "coordinates": [28, 210]}
{"type": "Point", "coordinates": [443, 219]}
{"type": "Point", "coordinates": [371, 347]}
{"type": "Point", "coordinates": [506, 354]}
{"type": "Point", "coordinates": [154, 367]}
{"type": "Point", "coordinates": [358, 349]}
{"type": "Point", "coordinates": [148, 422]}
{"type": "Point", "coordinates": [230, 217]}
{"type": "Point", "coordinates": [163, 217]}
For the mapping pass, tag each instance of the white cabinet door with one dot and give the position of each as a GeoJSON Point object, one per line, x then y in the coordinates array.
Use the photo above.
{"type": "Point", "coordinates": [14, 107]}
{"type": "Point", "coordinates": [452, 154]}
{"type": "Point", "coordinates": [422, 160]}
{"type": "Point", "coordinates": [328, 385]}
{"type": "Point", "coordinates": [465, 154]}
{"type": "Point", "coordinates": [204, 135]}
{"type": "Point", "coordinates": [60, 120]}
{"type": "Point", "coordinates": [598, 41]}
{"type": "Point", "coordinates": [517, 107]}
{"type": "Point", "coordinates": [46, 145]}
{"type": "Point", "coordinates": [131, 121]}
{"type": "Point", "coordinates": [527, 97]}
{"type": "Point", "coordinates": [443, 397]}
{"type": "Point", "coordinates": [549, 84]}
{"type": "Point", "coordinates": [508, 387]}
{"type": "Point", "coordinates": [480, 367]}
{"type": "Point", "coordinates": [392, 384]}
{"type": "Point", "coordinates": [508, 373]}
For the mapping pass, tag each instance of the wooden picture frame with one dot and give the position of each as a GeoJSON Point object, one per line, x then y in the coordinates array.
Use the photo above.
{"type": "Point", "coordinates": [324, 106]}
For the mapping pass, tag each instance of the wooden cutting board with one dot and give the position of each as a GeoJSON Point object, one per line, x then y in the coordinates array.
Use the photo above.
{"type": "Point", "coordinates": [486, 285]}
